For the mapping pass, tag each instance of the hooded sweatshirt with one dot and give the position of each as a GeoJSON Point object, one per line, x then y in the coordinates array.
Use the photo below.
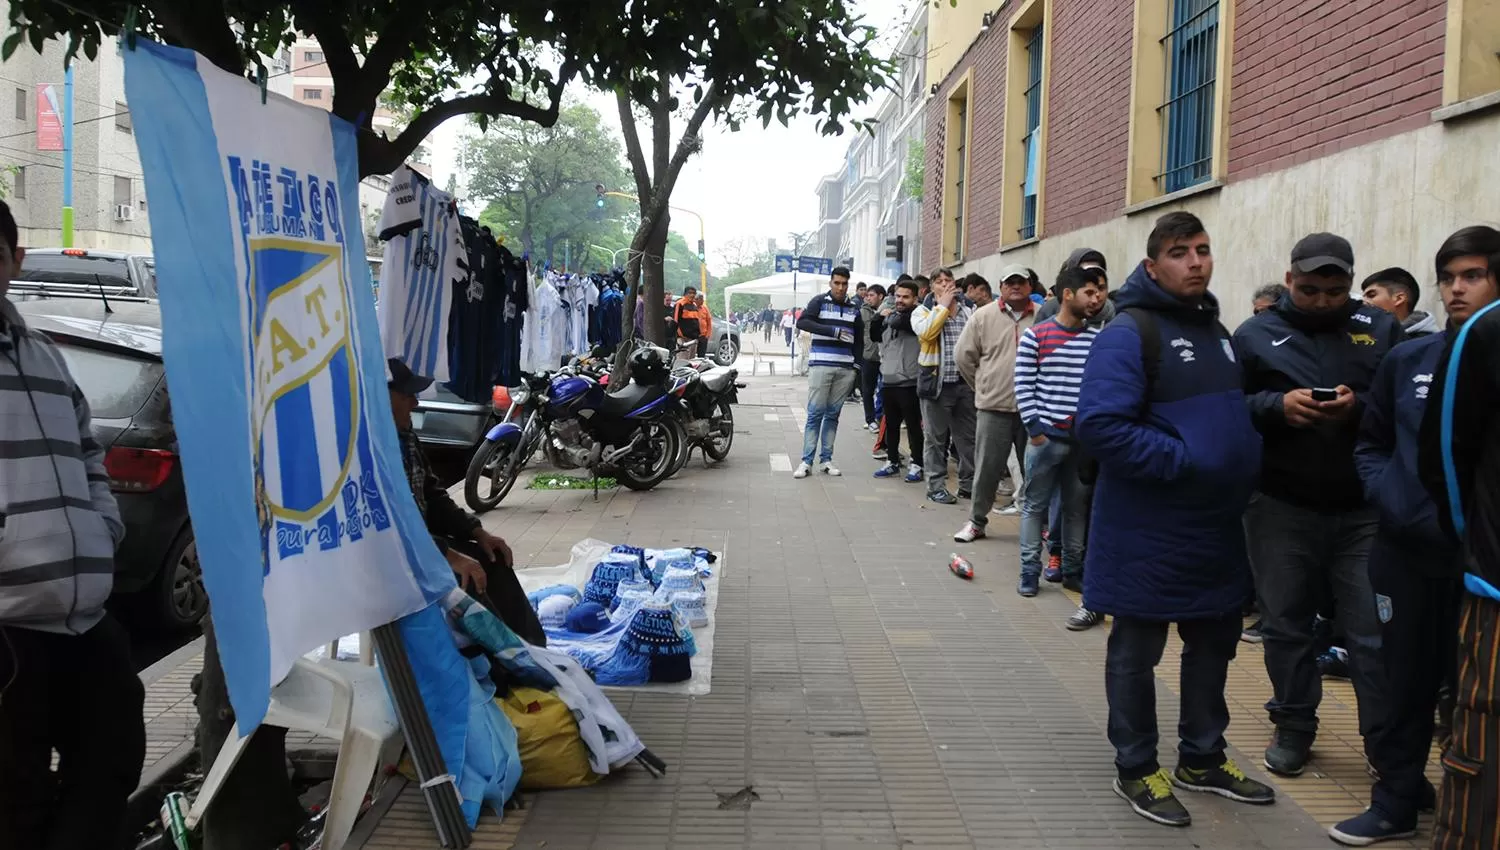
{"type": "Point", "coordinates": [1283, 349]}
{"type": "Point", "coordinates": [1050, 306]}
{"type": "Point", "coordinates": [899, 348]}
{"type": "Point", "coordinates": [1176, 469]}
{"type": "Point", "coordinates": [1420, 324]}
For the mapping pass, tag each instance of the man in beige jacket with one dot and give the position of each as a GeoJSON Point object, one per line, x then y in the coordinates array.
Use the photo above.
{"type": "Point", "coordinates": [986, 358]}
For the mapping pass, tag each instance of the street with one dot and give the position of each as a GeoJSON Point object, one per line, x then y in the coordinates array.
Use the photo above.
{"type": "Point", "coordinates": [865, 697]}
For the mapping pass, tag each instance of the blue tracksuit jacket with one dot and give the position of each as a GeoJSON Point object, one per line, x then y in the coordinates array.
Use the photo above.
{"type": "Point", "coordinates": [1176, 470]}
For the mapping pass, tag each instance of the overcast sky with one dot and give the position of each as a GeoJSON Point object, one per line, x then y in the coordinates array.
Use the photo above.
{"type": "Point", "coordinates": [756, 184]}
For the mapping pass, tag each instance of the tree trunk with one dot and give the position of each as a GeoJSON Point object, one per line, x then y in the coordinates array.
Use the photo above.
{"type": "Point", "coordinates": [257, 807]}
{"type": "Point", "coordinates": [653, 284]}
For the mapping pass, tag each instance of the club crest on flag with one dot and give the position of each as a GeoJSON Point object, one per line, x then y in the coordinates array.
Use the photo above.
{"type": "Point", "coordinates": [305, 384]}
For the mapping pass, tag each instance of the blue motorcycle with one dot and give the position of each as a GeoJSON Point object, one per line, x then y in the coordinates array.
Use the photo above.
{"type": "Point", "coordinates": [575, 421]}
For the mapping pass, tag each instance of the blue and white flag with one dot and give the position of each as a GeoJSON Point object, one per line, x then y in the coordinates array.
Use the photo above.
{"type": "Point", "coordinates": [305, 523]}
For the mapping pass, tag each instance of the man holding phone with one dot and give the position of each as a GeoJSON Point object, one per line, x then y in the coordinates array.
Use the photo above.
{"type": "Point", "coordinates": [1309, 362]}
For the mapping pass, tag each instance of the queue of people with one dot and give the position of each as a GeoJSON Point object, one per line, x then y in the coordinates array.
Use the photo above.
{"type": "Point", "coordinates": [1335, 461]}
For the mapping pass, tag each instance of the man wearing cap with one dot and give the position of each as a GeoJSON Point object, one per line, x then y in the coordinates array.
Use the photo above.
{"type": "Point", "coordinates": [1309, 362]}
{"type": "Point", "coordinates": [986, 357]}
{"type": "Point", "coordinates": [481, 561]}
{"type": "Point", "coordinates": [1086, 258]}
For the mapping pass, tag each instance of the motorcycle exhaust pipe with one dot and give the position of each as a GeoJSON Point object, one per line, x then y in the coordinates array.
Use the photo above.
{"type": "Point", "coordinates": [619, 453]}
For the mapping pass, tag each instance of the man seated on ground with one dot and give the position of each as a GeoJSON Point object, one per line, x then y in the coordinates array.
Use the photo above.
{"type": "Point", "coordinates": [481, 561]}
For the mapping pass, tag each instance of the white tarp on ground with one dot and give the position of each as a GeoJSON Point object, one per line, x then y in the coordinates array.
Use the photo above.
{"type": "Point", "coordinates": [585, 555]}
{"type": "Point", "coordinates": [783, 296]}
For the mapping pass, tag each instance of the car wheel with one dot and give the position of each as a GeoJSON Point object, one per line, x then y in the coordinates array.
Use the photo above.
{"type": "Point", "coordinates": [727, 352]}
{"type": "Point", "coordinates": [176, 600]}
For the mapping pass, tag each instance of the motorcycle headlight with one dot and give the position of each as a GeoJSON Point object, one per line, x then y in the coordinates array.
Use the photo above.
{"type": "Point", "coordinates": [519, 395]}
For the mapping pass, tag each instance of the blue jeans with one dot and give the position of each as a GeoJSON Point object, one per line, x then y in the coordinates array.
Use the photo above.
{"type": "Point", "coordinates": [1052, 467]}
{"type": "Point", "coordinates": [1134, 649]}
{"type": "Point", "coordinates": [828, 387]}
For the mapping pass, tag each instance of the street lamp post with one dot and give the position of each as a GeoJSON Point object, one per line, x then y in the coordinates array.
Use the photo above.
{"type": "Point", "coordinates": [702, 259]}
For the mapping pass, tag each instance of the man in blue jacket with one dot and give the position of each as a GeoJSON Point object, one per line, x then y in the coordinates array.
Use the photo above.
{"type": "Point", "coordinates": [1162, 412]}
{"type": "Point", "coordinates": [1414, 566]}
{"type": "Point", "coordinates": [1309, 362]}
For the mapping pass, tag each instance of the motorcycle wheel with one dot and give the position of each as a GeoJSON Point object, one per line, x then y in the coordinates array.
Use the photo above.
{"type": "Point", "coordinates": [496, 462]}
{"type": "Point", "coordinates": [721, 433]}
{"type": "Point", "coordinates": [663, 445]}
{"type": "Point", "coordinates": [684, 446]}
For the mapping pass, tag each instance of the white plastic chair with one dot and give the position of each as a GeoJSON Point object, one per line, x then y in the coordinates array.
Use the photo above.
{"type": "Point", "coordinates": [756, 361]}
{"type": "Point", "coordinates": [343, 700]}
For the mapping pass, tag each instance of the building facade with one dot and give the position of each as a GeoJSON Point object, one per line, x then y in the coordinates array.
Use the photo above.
{"type": "Point", "coordinates": [1058, 124]}
{"type": "Point", "coordinates": [110, 210]}
{"type": "Point", "coordinates": [872, 198]}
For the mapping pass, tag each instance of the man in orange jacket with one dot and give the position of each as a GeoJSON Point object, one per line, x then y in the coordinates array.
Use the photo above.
{"type": "Point", "coordinates": [692, 320]}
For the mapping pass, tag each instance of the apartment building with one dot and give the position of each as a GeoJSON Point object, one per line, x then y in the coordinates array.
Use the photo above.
{"type": "Point", "coordinates": [872, 199]}
{"type": "Point", "coordinates": [1057, 124]}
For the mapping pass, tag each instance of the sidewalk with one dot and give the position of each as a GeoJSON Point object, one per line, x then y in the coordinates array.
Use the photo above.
{"type": "Point", "coordinates": [862, 695]}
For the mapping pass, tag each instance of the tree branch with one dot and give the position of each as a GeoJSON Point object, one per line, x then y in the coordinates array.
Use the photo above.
{"type": "Point", "coordinates": [687, 145]}
{"type": "Point", "coordinates": [661, 127]}
{"type": "Point", "coordinates": [633, 146]}
{"type": "Point", "coordinates": [350, 86]}
{"type": "Point", "coordinates": [379, 155]}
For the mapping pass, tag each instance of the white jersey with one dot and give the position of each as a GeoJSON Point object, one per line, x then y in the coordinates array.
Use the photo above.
{"type": "Point", "coordinates": [544, 333]}
{"type": "Point", "coordinates": [424, 252]}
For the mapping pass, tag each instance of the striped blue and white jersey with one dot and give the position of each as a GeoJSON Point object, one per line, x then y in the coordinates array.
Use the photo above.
{"type": "Point", "coordinates": [1049, 372]}
{"type": "Point", "coordinates": [424, 253]}
{"type": "Point", "coordinates": [824, 319]}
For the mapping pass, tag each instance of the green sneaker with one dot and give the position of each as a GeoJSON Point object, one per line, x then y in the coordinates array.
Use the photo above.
{"type": "Point", "coordinates": [1152, 799]}
{"type": "Point", "coordinates": [1226, 780]}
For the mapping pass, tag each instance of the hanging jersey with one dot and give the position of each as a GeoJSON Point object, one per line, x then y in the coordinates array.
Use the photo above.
{"type": "Point", "coordinates": [424, 251]}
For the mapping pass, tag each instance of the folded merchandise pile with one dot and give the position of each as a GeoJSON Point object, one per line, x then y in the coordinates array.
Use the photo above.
{"type": "Point", "coordinates": [627, 615]}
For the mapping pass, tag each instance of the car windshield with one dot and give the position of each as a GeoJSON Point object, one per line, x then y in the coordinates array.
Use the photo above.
{"type": "Point", "coordinates": [116, 385]}
{"type": "Point", "coordinates": [79, 270]}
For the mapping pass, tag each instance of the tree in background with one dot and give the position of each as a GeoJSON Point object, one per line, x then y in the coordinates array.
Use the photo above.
{"type": "Point", "coordinates": [539, 183]}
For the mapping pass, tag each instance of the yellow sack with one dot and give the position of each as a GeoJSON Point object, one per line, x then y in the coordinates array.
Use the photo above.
{"type": "Point", "coordinates": [552, 752]}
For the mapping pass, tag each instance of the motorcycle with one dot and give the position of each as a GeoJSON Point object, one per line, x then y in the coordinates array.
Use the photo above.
{"type": "Point", "coordinates": [704, 397]}
{"type": "Point", "coordinates": [571, 417]}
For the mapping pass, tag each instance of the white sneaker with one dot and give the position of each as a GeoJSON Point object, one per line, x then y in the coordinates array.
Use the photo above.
{"type": "Point", "coordinates": [830, 469]}
{"type": "Point", "coordinates": [873, 427]}
{"type": "Point", "coordinates": [1009, 510]}
{"type": "Point", "coordinates": [969, 533]}
{"type": "Point", "coordinates": [802, 471]}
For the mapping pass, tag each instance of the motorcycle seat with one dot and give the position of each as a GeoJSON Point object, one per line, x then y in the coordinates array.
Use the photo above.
{"type": "Point", "coordinates": [720, 379]}
{"type": "Point", "coordinates": [631, 397]}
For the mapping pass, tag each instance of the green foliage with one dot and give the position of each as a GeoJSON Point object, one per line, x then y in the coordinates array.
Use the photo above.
{"type": "Point", "coordinates": [916, 167]}
{"type": "Point", "coordinates": [569, 482]}
{"type": "Point", "coordinates": [495, 58]}
{"type": "Point", "coordinates": [539, 183]}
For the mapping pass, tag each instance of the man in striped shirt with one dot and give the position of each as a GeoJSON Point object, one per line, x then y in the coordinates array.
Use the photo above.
{"type": "Point", "coordinates": [832, 319]}
{"type": "Point", "coordinates": [1049, 370]}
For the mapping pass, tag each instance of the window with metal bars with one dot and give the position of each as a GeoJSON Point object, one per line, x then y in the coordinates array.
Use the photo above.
{"type": "Point", "coordinates": [1187, 116]}
{"type": "Point", "coordinates": [960, 174]}
{"type": "Point", "coordinates": [1032, 140]}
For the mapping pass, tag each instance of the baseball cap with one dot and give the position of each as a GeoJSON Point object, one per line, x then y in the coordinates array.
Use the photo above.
{"type": "Point", "coordinates": [1015, 270]}
{"type": "Point", "coordinates": [400, 378]}
{"type": "Point", "coordinates": [1319, 250]}
{"type": "Point", "coordinates": [588, 618]}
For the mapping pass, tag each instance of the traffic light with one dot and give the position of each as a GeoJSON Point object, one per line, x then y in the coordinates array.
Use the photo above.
{"type": "Point", "coordinates": [700, 251]}
{"type": "Point", "coordinates": [599, 187]}
{"type": "Point", "coordinates": [895, 249]}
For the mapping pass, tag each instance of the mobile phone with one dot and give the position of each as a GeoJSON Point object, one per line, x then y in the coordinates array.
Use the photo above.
{"type": "Point", "coordinates": [1324, 394]}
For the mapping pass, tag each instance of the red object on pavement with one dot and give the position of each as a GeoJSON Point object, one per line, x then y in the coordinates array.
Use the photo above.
{"type": "Point", "coordinates": [961, 567]}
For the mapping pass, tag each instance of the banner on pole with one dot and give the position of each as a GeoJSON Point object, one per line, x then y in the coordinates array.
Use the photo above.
{"type": "Point", "coordinates": [303, 514]}
{"type": "Point", "coordinates": [49, 129]}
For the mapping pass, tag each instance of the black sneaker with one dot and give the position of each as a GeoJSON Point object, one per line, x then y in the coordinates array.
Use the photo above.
{"type": "Point", "coordinates": [1288, 752]}
{"type": "Point", "coordinates": [965, 494]}
{"type": "Point", "coordinates": [942, 497]}
{"type": "Point", "coordinates": [1427, 799]}
{"type": "Point", "coordinates": [1370, 827]}
{"type": "Point", "coordinates": [1226, 780]}
{"type": "Point", "coordinates": [1252, 633]}
{"type": "Point", "coordinates": [1152, 799]}
{"type": "Point", "coordinates": [1083, 619]}
{"type": "Point", "coordinates": [1334, 664]}
{"type": "Point", "coordinates": [1029, 586]}
{"type": "Point", "coordinates": [1073, 583]}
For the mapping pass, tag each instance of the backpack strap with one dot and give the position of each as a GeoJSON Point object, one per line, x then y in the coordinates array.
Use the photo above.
{"type": "Point", "coordinates": [1150, 333]}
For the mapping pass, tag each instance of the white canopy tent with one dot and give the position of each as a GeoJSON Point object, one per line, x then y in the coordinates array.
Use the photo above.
{"type": "Point", "coordinates": [784, 295]}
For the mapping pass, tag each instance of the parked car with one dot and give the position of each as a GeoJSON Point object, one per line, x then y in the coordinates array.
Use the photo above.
{"type": "Point", "coordinates": [118, 275]}
{"type": "Point", "coordinates": [724, 348]}
{"type": "Point", "coordinates": [116, 359]}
